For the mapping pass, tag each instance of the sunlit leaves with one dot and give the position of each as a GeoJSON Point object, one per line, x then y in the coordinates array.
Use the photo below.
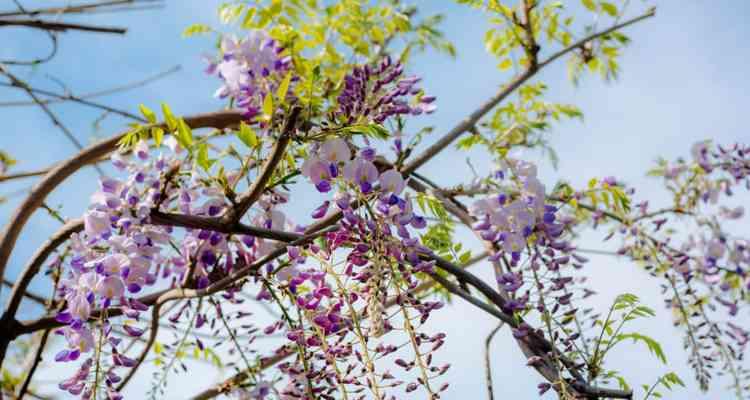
{"type": "Point", "coordinates": [267, 108]}
{"type": "Point", "coordinates": [653, 346]}
{"type": "Point", "coordinates": [329, 35]}
{"type": "Point", "coordinates": [375, 131]}
{"type": "Point", "coordinates": [523, 122]}
{"type": "Point", "coordinates": [248, 136]}
{"type": "Point", "coordinates": [157, 134]}
{"type": "Point", "coordinates": [184, 135]}
{"type": "Point", "coordinates": [626, 308]}
{"type": "Point", "coordinates": [284, 87]}
{"type": "Point", "coordinates": [195, 29]}
{"type": "Point", "coordinates": [147, 113]}
{"type": "Point", "coordinates": [667, 381]}
{"type": "Point", "coordinates": [202, 158]}
{"type": "Point", "coordinates": [169, 118]}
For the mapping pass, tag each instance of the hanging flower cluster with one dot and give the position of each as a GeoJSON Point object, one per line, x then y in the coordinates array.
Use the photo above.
{"type": "Point", "coordinates": [345, 294]}
{"type": "Point", "coordinates": [340, 286]}
{"type": "Point", "coordinates": [122, 251]}
{"type": "Point", "coordinates": [375, 93]}
{"type": "Point", "coordinates": [510, 219]}
{"type": "Point", "coordinates": [251, 68]}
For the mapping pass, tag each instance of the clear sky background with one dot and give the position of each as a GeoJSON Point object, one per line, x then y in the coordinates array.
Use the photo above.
{"type": "Point", "coordinates": [684, 79]}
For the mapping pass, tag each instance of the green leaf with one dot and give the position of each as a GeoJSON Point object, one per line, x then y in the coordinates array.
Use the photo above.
{"type": "Point", "coordinates": [158, 135]}
{"type": "Point", "coordinates": [372, 130]}
{"type": "Point", "coordinates": [196, 29]}
{"type": "Point", "coordinates": [147, 113]}
{"type": "Point", "coordinates": [247, 136]}
{"type": "Point", "coordinates": [210, 354]}
{"type": "Point", "coordinates": [169, 117]}
{"type": "Point", "coordinates": [202, 160]}
{"type": "Point", "coordinates": [672, 378]}
{"type": "Point", "coordinates": [268, 107]}
{"type": "Point", "coordinates": [378, 131]}
{"type": "Point", "coordinates": [129, 139]}
{"type": "Point", "coordinates": [589, 4]}
{"type": "Point", "coordinates": [653, 346]}
{"type": "Point", "coordinates": [505, 64]}
{"type": "Point", "coordinates": [247, 22]}
{"type": "Point", "coordinates": [609, 8]}
{"type": "Point", "coordinates": [284, 87]}
{"type": "Point", "coordinates": [184, 135]}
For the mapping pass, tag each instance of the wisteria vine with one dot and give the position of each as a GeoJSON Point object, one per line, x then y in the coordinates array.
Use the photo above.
{"type": "Point", "coordinates": [194, 234]}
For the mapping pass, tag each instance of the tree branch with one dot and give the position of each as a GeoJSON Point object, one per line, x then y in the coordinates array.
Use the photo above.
{"type": "Point", "coordinates": [31, 296]}
{"type": "Point", "coordinates": [22, 175]}
{"type": "Point", "coordinates": [475, 116]}
{"type": "Point", "coordinates": [246, 200]}
{"type": "Point", "coordinates": [74, 9]}
{"type": "Point", "coordinates": [99, 93]}
{"type": "Point", "coordinates": [61, 26]}
{"type": "Point", "coordinates": [488, 362]}
{"type": "Point", "coordinates": [35, 264]}
{"type": "Point", "coordinates": [37, 360]}
{"type": "Point", "coordinates": [25, 327]}
{"type": "Point", "coordinates": [218, 225]}
{"type": "Point", "coordinates": [21, 84]}
{"type": "Point", "coordinates": [70, 97]}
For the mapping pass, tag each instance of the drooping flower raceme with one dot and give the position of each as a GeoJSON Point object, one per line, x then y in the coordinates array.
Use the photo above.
{"type": "Point", "coordinates": [338, 287]}
{"type": "Point", "coordinates": [511, 218]}
{"type": "Point", "coordinates": [375, 93]}
{"type": "Point", "coordinates": [250, 68]}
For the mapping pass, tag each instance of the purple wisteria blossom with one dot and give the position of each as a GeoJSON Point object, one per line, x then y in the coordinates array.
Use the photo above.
{"type": "Point", "coordinates": [375, 93]}
{"type": "Point", "coordinates": [250, 68]}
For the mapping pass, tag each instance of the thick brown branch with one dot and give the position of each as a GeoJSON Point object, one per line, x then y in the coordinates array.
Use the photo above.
{"type": "Point", "coordinates": [218, 225]}
{"type": "Point", "coordinates": [25, 327]}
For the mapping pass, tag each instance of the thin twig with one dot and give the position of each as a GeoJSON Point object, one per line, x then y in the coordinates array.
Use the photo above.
{"type": "Point", "coordinates": [35, 264]}
{"type": "Point", "coordinates": [76, 9]}
{"type": "Point", "coordinates": [488, 363]}
{"type": "Point", "coordinates": [61, 26]}
{"type": "Point", "coordinates": [70, 97]}
{"type": "Point", "coordinates": [475, 116]}
{"type": "Point", "coordinates": [22, 175]}
{"type": "Point", "coordinates": [19, 83]}
{"type": "Point", "coordinates": [99, 93]}
{"type": "Point", "coordinates": [29, 295]}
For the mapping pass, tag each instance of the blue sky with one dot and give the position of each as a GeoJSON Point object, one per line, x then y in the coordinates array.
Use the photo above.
{"type": "Point", "coordinates": [683, 79]}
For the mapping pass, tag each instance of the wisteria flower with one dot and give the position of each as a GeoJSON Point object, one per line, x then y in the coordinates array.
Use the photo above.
{"type": "Point", "coordinates": [362, 173]}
